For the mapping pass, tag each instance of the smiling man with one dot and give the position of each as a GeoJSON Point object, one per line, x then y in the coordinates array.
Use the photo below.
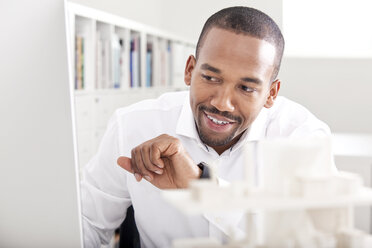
{"type": "Point", "coordinates": [165, 143]}
{"type": "Point", "coordinates": [231, 82]}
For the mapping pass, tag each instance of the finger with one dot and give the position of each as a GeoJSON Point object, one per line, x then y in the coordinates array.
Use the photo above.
{"type": "Point", "coordinates": [155, 156]}
{"type": "Point", "coordinates": [167, 146]}
{"type": "Point", "coordinates": [143, 171]}
{"type": "Point", "coordinates": [136, 171]}
{"type": "Point", "coordinates": [125, 163]}
{"type": "Point", "coordinates": [145, 152]}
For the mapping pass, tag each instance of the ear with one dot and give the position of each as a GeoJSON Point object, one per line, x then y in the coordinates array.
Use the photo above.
{"type": "Point", "coordinates": [273, 93]}
{"type": "Point", "coordinates": [190, 65]}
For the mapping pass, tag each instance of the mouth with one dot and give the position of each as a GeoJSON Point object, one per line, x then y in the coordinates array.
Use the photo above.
{"type": "Point", "coordinates": [218, 123]}
{"type": "Point", "coordinates": [219, 120]}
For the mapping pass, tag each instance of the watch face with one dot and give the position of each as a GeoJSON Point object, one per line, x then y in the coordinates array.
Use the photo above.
{"type": "Point", "coordinates": [205, 170]}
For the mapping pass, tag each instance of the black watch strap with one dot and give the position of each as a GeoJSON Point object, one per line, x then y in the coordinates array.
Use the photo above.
{"type": "Point", "coordinates": [205, 170]}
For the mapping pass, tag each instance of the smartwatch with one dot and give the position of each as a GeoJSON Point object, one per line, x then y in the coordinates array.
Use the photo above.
{"type": "Point", "coordinates": [205, 170]}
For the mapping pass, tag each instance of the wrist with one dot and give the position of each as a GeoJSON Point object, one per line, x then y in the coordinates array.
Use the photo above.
{"type": "Point", "coordinates": [204, 171]}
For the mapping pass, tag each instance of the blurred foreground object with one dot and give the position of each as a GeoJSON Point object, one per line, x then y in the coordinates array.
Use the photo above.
{"type": "Point", "coordinates": [292, 196]}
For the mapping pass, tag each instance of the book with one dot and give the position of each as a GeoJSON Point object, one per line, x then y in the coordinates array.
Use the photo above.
{"type": "Point", "coordinates": [135, 61]}
{"type": "Point", "coordinates": [131, 63]}
{"type": "Point", "coordinates": [124, 65]}
{"type": "Point", "coordinates": [149, 65]}
{"type": "Point", "coordinates": [115, 62]}
{"type": "Point", "coordinates": [155, 62]}
{"type": "Point", "coordinates": [79, 62]}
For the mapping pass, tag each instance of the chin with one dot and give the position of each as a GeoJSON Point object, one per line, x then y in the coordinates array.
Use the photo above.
{"type": "Point", "coordinates": [214, 141]}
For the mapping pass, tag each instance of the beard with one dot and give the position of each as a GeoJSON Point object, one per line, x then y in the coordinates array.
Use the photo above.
{"type": "Point", "coordinates": [215, 140]}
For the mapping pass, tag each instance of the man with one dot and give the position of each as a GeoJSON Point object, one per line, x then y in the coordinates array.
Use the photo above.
{"type": "Point", "coordinates": [159, 143]}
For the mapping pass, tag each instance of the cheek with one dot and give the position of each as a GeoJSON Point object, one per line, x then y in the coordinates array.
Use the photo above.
{"type": "Point", "coordinates": [195, 100]}
{"type": "Point", "coordinates": [250, 111]}
{"type": "Point", "coordinates": [199, 94]}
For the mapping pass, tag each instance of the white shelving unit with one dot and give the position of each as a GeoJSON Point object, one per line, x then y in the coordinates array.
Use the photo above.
{"type": "Point", "coordinates": [117, 62]}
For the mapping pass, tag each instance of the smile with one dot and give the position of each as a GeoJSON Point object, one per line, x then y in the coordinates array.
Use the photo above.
{"type": "Point", "coordinates": [218, 122]}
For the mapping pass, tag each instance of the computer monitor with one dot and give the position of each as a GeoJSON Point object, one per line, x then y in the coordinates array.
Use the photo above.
{"type": "Point", "coordinates": [39, 195]}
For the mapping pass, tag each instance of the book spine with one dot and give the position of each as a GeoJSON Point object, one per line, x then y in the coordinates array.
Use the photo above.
{"type": "Point", "coordinates": [138, 64]}
{"type": "Point", "coordinates": [149, 68]}
{"type": "Point", "coordinates": [131, 62]}
{"type": "Point", "coordinates": [82, 57]}
{"type": "Point", "coordinates": [115, 61]}
{"type": "Point", "coordinates": [76, 62]}
{"type": "Point", "coordinates": [78, 84]}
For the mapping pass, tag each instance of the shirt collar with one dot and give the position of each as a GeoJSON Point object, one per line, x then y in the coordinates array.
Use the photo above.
{"type": "Point", "coordinates": [186, 126]}
{"type": "Point", "coordinates": [256, 131]}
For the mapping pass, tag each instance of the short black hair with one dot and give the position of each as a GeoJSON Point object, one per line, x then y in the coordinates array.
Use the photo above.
{"type": "Point", "coordinates": [248, 21]}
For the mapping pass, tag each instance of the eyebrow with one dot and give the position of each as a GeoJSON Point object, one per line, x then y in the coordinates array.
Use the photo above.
{"type": "Point", "coordinates": [210, 68]}
{"type": "Point", "coordinates": [244, 79]}
{"type": "Point", "coordinates": [252, 80]}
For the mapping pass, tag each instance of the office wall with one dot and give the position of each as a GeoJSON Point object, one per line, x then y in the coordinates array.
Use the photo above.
{"type": "Point", "coordinates": [188, 17]}
{"type": "Point", "coordinates": [184, 18]}
{"type": "Point", "coordinates": [338, 91]}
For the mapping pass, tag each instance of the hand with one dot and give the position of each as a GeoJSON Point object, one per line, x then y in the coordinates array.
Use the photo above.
{"type": "Point", "coordinates": [162, 161]}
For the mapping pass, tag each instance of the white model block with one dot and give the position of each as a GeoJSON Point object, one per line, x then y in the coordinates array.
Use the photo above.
{"type": "Point", "coordinates": [342, 183]}
{"type": "Point", "coordinates": [279, 162]}
{"type": "Point", "coordinates": [201, 190]}
{"type": "Point", "coordinates": [208, 189]}
{"type": "Point", "coordinates": [313, 187]}
{"type": "Point", "coordinates": [331, 220]}
{"type": "Point", "coordinates": [346, 183]}
{"type": "Point", "coordinates": [352, 238]}
{"type": "Point", "coordinates": [196, 243]}
{"type": "Point", "coordinates": [280, 226]}
{"type": "Point", "coordinates": [367, 240]}
{"type": "Point", "coordinates": [316, 240]}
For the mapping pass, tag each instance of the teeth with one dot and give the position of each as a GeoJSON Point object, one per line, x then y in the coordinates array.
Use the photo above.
{"type": "Point", "coordinates": [217, 121]}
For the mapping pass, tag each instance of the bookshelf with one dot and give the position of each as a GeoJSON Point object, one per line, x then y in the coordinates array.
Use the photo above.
{"type": "Point", "coordinates": [116, 62]}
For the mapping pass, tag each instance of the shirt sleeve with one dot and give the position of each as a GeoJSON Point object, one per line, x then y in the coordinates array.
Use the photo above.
{"type": "Point", "coordinates": [104, 193]}
{"type": "Point", "coordinates": [290, 119]}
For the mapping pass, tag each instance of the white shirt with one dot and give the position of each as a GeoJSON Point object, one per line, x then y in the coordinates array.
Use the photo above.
{"type": "Point", "coordinates": [108, 190]}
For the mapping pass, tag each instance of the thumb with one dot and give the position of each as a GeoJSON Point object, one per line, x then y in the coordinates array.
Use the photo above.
{"type": "Point", "coordinates": [125, 163]}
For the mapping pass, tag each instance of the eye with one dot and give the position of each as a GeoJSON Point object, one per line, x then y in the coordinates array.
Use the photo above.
{"type": "Point", "coordinates": [209, 78]}
{"type": "Point", "coordinates": [247, 89]}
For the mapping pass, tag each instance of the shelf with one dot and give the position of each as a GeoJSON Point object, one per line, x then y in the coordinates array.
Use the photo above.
{"type": "Point", "coordinates": [113, 52]}
{"type": "Point", "coordinates": [117, 62]}
{"type": "Point", "coordinates": [185, 202]}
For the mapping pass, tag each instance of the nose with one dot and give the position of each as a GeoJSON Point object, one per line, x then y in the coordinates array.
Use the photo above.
{"type": "Point", "coordinates": [223, 100]}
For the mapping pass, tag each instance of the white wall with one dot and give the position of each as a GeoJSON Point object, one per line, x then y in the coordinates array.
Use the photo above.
{"type": "Point", "coordinates": [184, 18]}
{"type": "Point", "coordinates": [143, 11]}
{"type": "Point", "coordinates": [338, 91]}
{"type": "Point", "coordinates": [188, 17]}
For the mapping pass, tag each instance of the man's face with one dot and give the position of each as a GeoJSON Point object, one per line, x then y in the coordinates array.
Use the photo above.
{"type": "Point", "coordinates": [229, 85]}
